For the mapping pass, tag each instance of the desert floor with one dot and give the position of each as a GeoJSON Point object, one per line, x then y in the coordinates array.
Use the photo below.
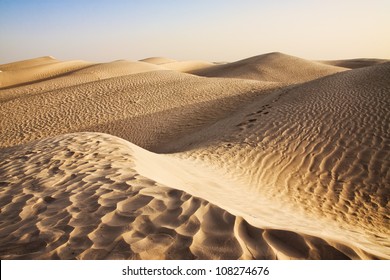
{"type": "Point", "coordinates": [270, 157]}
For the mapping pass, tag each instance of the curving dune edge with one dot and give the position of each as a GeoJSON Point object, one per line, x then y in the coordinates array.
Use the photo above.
{"type": "Point", "coordinates": [272, 157]}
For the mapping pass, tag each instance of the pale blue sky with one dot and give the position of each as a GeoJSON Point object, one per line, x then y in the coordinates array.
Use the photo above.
{"type": "Point", "coordinates": [214, 30]}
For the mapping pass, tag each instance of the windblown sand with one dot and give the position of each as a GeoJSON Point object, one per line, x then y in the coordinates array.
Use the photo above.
{"type": "Point", "coordinates": [271, 157]}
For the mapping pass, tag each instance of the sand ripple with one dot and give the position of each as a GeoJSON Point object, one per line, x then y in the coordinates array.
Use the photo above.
{"type": "Point", "coordinates": [263, 158]}
{"type": "Point", "coordinates": [60, 202]}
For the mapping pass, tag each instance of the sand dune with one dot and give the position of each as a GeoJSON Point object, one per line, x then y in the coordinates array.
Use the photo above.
{"type": "Point", "coordinates": [264, 162]}
{"type": "Point", "coordinates": [355, 63]}
{"type": "Point", "coordinates": [158, 60]}
{"type": "Point", "coordinates": [92, 73]}
{"type": "Point", "coordinates": [188, 66]}
{"type": "Point", "coordinates": [85, 199]}
{"type": "Point", "coordinates": [161, 104]}
{"type": "Point", "coordinates": [329, 144]}
{"type": "Point", "coordinates": [272, 67]}
{"type": "Point", "coordinates": [36, 69]}
{"type": "Point", "coordinates": [119, 68]}
{"type": "Point", "coordinates": [181, 66]}
{"type": "Point", "coordinates": [28, 63]}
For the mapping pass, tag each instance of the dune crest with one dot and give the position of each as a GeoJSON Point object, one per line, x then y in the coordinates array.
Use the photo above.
{"type": "Point", "coordinates": [272, 67]}
{"type": "Point", "coordinates": [271, 157]}
{"type": "Point", "coordinates": [158, 60]}
{"type": "Point", "coordinates": [28, 63]}
{"type": "Point", "coordinates": [118, 68]}
{"type": "Point", "coordinates": [36, 70]}
{"type": "Point", "coordinates": [319, 146]}
{"type": "Point", "coordinates": [188, 66]}
{"type": "Point", "coordinates": [86, 200]}
{"type": "Point", "coordinates": [151, 102]}
{"type": "Point", "coordinates": [355, 63]}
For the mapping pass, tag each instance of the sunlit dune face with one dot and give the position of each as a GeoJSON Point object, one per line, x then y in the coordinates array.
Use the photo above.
{"type": "Point", "coordinates": [268, 157]}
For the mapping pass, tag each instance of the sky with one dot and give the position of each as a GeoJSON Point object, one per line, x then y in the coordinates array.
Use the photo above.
{"type": "Point", "coordinates": [212, 30]}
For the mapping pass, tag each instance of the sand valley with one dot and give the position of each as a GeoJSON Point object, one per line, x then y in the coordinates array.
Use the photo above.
{"type": "Point", "coordinates": [269, 157]}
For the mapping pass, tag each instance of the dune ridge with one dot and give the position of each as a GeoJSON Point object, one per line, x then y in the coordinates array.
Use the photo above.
{"type": "Point", "coordinates": [29, 71]}
{"type": "Point", "coordinates": [158, 60]}
{"type": "Point", "coordinates": [60, 201]}
{"type": "Point", "coordinates": [28, 63]}
{"type": "Point", "coordinates": [355, 63]}
{"type": "Point", "coordinates": [333, 153]}
{"type": "Point", "coordinates": [275, 157]}
{"type": "Point", "coordinates": [271, 67]}
{"type": "Point", "coordinates": [92, 73]}
{"type": "Point", "coordinates": [188, 66]}
{"type": "Point", "coordinates": [91, 106]}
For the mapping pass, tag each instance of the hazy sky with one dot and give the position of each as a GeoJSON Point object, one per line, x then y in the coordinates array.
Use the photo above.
{"type": "Point", "coordinates": [215, 30]}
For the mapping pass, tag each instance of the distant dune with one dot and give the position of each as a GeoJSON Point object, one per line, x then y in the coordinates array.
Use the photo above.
{"type": "Point", "coordinates": [188, 66]}
{"type": "Point", "coordinates": [355, 63]}
{"type": "Point", "coordinates": [158, 60]}
{"type": "Point", "coordinates": [272, 67]}
{"type": "Point", "coordinates": [162, 104]}
{"type": "Point", "coordinates": [39, 61]}
{"type": "Point", "coordinates": [271, 157]}
{"type": "Point", "coordinates": [36, 69]}
{"type": "Point", "coordinates": [118, 68]}
{"type": "Point", "coordinates": [181, 66]}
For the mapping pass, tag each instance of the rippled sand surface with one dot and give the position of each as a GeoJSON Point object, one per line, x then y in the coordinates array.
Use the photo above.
{"type": "Point", "coordinates": [270, 157]}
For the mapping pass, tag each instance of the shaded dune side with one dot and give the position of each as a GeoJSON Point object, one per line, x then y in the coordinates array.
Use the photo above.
{"type": "Point", "coordinates": [158, 60]}
{"type": "Point", "coordinates": [188, 66]}
{"type": "Point", "coordinates": [28, 63]}
{"type": "Point", "coordinates": [109, 105]}
{"type": "Point", "coordinates": [119, 68]}
{"type": "Point", "coordinates": [273, 67]}
{"type": "Point", "coordinates": [91, 73]}
{"type": "Point", "coordinates": [78, 196]}
{"type": "Point", "coordinates": [21, 74]}
{"type": "Point", "coordinates": [355, 63]}
{"type": "Point", "coordinates": [318, 150]}
{"type": "Point", "coordinates": [323, 147]}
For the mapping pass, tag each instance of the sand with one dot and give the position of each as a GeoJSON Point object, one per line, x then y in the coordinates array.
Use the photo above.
{"type": "Point", "coordinates": [33, 70]}
{"type": "Point", "coordinates": [275, 67]}
{"type": "Point", "coordinates": [272, 157]}
{"type": "Point", "coordinates": [355, 63]}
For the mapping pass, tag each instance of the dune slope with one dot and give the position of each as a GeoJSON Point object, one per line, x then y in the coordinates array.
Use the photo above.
{"type": "Point", "coordinates": [355, 63]}
{"type": "Point", "coordinates": [92, 73]}
{"type": "Point", "coordinates": [158, 60]}
{"type": "Point", "coordinates": [188, 66]}
{"type": "Point", "coordinates": [272, 67]}
{"type": "Point", "coordinates": [80, 196]}
{"type": "Point", "coordinates": [161, 104]}
{"type": "Point", "coordinates": [322, 147]}
{"type": "Point", "coordinates": [287, 160]}
{"type": "Point", "coordinates": [33, 70]}
{"type": "Point", "coordinates": [28, 63]}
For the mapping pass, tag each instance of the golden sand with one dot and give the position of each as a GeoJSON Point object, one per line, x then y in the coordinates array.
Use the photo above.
{"type": "Point", "coordinates": [271, 157]}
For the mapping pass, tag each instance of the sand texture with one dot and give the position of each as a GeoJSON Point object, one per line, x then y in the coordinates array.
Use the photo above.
{"type": "Point", "coordinates": [355, 63]}
{"type": "Point", "coordinates": [272, 67]}
{"type": "Point", "coordinates": [271, 157]}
